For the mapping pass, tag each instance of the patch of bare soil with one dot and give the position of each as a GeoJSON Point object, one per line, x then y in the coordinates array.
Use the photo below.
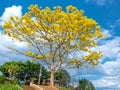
{"type": "Point", "coordinates": [25, 87]}
{"type": "Point", "coordinates": [48, 88]}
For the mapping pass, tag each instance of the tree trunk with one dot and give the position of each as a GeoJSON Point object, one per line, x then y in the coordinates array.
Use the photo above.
{"type": "Point", "coordinates": [40, 72]}
{"type": "Point", "coordinates": [52, 68]}
{"type": "Point", "coordinates": [52, 75]}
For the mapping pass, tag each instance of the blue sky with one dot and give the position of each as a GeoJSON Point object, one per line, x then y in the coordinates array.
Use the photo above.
{"type": "Point", "coordinates": [105, 12]}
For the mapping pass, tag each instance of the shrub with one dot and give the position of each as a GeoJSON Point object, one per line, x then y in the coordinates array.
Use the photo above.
{"type": "Point", "coordinates": [27, 82]}
{"type": "Point", "coordinates": [2, 78]}
{"type": "Point", "coordinates": [64, 88]}
{"type": "Point", "coordinates": [11, 81]}
{"type": "Point", "coordinates": [10, 87]}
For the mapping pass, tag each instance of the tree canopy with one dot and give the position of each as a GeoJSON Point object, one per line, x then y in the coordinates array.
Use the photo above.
{"type": "Point", "coordinates": [24, 71]}
{"type": "Point", "coordinates": [9, 69]}
{"type": "Point", "coordinates": [85, 84]}
{"type": "Point", "coordinates": [58, 37]}
{"type": "Point", "coordinates": [63, 77]}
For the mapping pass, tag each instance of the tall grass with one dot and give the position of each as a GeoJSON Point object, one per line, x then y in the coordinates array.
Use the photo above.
{"type": "Point", "coordinates": [64, 88]}
{"type": "Point", "coordinates": [9, 87]}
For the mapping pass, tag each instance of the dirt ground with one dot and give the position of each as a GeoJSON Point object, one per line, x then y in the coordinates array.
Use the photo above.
{"type": "Point", "coordinates": [48, 88]}
{"type": "Point", "coordinates": [25, 87]}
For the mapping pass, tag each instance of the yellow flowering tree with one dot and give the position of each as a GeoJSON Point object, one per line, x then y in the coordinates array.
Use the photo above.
{"type": "Point", "coordinates": [59, 37]}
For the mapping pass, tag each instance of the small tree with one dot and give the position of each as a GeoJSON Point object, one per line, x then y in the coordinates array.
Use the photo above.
{"type": "Point", "coordinates": [63, 77]}
{"type": "Point", "coordinates": [85, 84]}
{"type": "Point", "coordinates": [9, 68]}
{"type": "Point", "coordinates": [24, 70]}
{"type": "Point", "coordinates": [55, 35]}
{"type": "Point", "coordinates": [30, 70]}
{"type": "Point", "coordinates": [2, 78]}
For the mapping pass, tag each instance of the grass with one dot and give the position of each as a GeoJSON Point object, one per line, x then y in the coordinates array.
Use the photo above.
{"type": "Point", "coordinates": [64, 88]}
{"type": "Point", "coordinates": [57, 88]}
{"type": "Point", "coordinates": [48, 88]}
{"type": "Point", "coordinates": [9, 87]}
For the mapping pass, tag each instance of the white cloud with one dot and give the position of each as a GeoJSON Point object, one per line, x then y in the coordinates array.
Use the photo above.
{"type": "Point", "coordinates": [5, 54]}
{"type": "Point", "coordinates": [109, 71]}
{"type": "Point", "coordinates": [107, 33]}
{"type": "Point", "coordinates": [100, 2]}
{"type": "Point", "coordinates": [6, 41]}
{"type": "Point", "coordinates": [109, 82]}
{"type": "Point", "coordinates": [110, 48]}
{"type": "Point", "coordinates": [11, 11]}
{"type": "Point", "coordinates": [111, 68]}
{"type": "Point", "coordinates": [91, 71]}
{"type": "Point", "coordinates": [118, 57]}
{"type": "Point", "coordinates": [117, 22]}
{"type": "Point", "coordinates": [114, 25]}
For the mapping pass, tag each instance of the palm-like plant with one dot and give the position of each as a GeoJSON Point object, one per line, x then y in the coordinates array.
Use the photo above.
{"type": "Point", "coordinates": [10, 68]}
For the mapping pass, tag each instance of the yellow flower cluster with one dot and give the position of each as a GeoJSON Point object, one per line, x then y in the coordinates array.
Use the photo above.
{"type": "Point", "coordinates": [55, 26]}
{"type": "Point", "coordinates": [75, 62]}
{"type": "Point", "coordinates": [55, 21]}
{"type": "Point", "coordinates": [93, 57]}
{"type": "Point", "coordinates": [7, 25]}
{"type": "Point", "coordinates": [29, 53]}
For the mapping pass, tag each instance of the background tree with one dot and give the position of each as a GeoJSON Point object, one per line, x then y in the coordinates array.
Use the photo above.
{"type": "Point", "coordinates": [85, 84]}
{"type": "Point", "coordinates": [9, 68]}
{"type": "Point", "coordinates": [2, 79]}
{"type": "Point", "coordinates": [24, 71]}
{"type": "Point", "coordinates": [58, 37]}
{"type": "Point", "coordinates": [30, 70]}
{"type": "Point", "coordinates": [63, 77]}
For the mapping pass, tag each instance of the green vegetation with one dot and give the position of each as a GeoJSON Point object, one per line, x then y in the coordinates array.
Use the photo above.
{"type": "Point", "coordinates": [2, 78]}
{"type": "Point", "coordinates": [64, 88]}
{"type": "Point", "coordinates": [63, 77]}
{"type": "Point", "coordinates": [54, 34]}
{"type": "Point", "coordinates": [85, 84]}
{"type": "Point", "coordinates": [9, 69]}
{"type": "Point", "coordinates": [9, 87]}
{"type": "Point", "coordinates": [23, 70]}
{"type": "Point", "coordinates": [29, 71]}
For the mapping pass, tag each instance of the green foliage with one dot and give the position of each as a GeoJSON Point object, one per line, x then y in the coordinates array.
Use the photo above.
{"type": "Point", "coordinates": [13, 81]}
{"type": "Point", "coordinates": [27, 83]}
{"type": "Point", "coordinates": [2, 78]}
{"type": "Point", "coordinates": [55, 34]}
{"type": "Point", "coordinates": [8, 81]}
{"type": "Point", "coordinates": [23, 70]}
{"type": "Point", "coordinates": [64, 88]}
{"type": "Point", "coordinates": [33, 79]}
{"type": "Point", "coordinates": [9, 68]}
{"type": "Point", "coordinates": [30, 70]}
{"type": "Point", "coordinates": [85, 84]}
{"type": "Point", "coordinates": [9, 87]}
{"type": "Point", "coordinates": [63, 77]}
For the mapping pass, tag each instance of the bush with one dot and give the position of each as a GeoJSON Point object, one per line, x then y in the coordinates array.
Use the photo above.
{"type": "Point", "coordinates": [11, 81]}
{"type": "Point", "coordinates": [33, 79]}
{"type": "Point", "coordinates": [27, 82]}
{"type": "Point", "coordinates": [64, 88]}
{"type": "Point", "coordinates": [9, 87]}
{"type": "Point", "coordinates": [2, 78]}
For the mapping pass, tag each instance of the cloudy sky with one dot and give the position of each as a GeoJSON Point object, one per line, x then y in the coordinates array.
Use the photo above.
{"type": "Point", "coordinates": [105, 12]}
